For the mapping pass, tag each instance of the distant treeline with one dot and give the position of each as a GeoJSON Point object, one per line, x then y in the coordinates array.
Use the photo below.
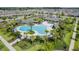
{"type": "Point", "coordinates": [26, 8]}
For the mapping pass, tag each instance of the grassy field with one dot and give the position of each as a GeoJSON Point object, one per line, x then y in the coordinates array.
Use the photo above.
{"type": "Point", "coordinates": [3, 47]}
{"type": "Point", "coordinates": [67, 38]}
{"type": "Point", "coordinates": [36, 47]}
{"type": "Point", "coordinates": [76, 47]}
{"type": "Point", "coordinates": [6, 36]}
{"type": "Point", "coordinates": [24, 45]}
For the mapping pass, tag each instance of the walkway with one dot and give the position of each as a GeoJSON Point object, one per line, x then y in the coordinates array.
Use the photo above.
{"type": "Point", "coordinates": [7, 44]}
{"type": "Point", "coordinates": [15, 41]}
{"type": "Point", "coordinates": [18, 39]}
{"type": "Point", "coordinates": [71, 47]}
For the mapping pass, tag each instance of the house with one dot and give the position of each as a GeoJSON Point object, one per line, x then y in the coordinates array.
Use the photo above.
{"type": "Point", "coordinates": [1, 21]}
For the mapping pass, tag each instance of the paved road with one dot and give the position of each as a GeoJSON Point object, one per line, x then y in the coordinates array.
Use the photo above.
{"type": "Point", "coordinates": [7, 44]}
{"type": "Point", "coordinates": [71, 47]}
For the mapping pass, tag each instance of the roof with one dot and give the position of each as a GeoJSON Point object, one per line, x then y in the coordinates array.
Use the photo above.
{"type": "Point", "coordinates": [52, 18]}
{"type": "Point", "coordinates": [28, 20]}
{"type": "Point", "coordinates": [1, 21]}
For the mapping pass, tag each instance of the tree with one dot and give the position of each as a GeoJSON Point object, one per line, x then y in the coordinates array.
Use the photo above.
{"type": "Point", "coordinates": [54, 33]}
{"type": "Point", "coordinates": [4, 17]}
{"type": "Point", "coordinates": [31, 24]}
{"type": "Point", "coordinates": [39, 20]}
{"type": "Point", "coordinates": [32, 37]}
{"type": "Point", "coordinates": [61, 24]}
{"type": "Point", "coordinates": [31, 32]}
{"type": "Point", "coordinates": [46, 37]}
{"type": "Point", "coordinates": [25, 18]}
{"type": "Point", "coordinates": [62, 14]}
{"type": "Point", "coordinates": [17, 34]}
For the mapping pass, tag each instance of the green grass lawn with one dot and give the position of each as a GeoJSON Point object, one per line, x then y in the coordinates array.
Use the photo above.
{"type": "Point", "coordinates": [68, 34]}
{"type": "Point", "coordinates": [67, 38]}
{"type": "Point", "coordinates": [6, 35]}
{"type": "Point", "coordinates": [34, 48]}
{"type": "Point", "coordinates": [59, 45]}
{"type": "Point", "coordinates": [18, 48]}
{"type": "Point", "coordinates": [22, 45]}
{"type": "Point", "coordinates": [3, 47]}
{"type": "Point", "coordinates": [27, 46]}
{"type": "Point", "coordinates": [41, 46]}
{"type": "Point", "coordinates": [76, 47]}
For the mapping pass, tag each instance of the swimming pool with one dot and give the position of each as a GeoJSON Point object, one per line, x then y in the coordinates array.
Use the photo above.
{"type": "Point", "coordinates": [40, 29]}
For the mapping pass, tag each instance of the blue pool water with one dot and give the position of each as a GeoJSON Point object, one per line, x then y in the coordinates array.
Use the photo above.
{"type": "Point", "coordinates": [38, 28]}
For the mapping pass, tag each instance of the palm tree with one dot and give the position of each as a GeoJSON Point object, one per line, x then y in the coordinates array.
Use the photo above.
{"type": "Point", "coordinates": [31, 24]}
{"type": "Point", "coordinates": [61, 24]}
{"type": "Point", "coordinates": [55, 35]}
{"type": "Point", "coordinates": [32, 37]}
{"type": "Point", "coordinates": [62, 14]}
{"type": "Point", "coordinates": [46, 37]}
{"type": "Point", "coordinates": [17, 34]}
{"type": "Point", "coordinates": [25, 17]}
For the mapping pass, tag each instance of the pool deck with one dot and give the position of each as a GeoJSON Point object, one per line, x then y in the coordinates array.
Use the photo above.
{"type": "Point", "coordinates": [29, 35]}
{"type": "Point", "coordinates": [36, 32]}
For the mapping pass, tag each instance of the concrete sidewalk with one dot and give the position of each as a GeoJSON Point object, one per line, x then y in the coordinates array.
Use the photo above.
{"type": "Point", "coordinates": [7, 44]}
{"type": "Point", "coordinates": [71, 47]}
